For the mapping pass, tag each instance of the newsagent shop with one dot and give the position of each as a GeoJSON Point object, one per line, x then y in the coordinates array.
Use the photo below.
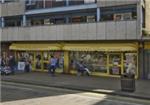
{"type": "Point", "coordinates": [102, 59]}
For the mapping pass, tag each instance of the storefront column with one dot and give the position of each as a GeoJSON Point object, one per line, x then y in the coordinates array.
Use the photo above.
{"type": "Point", "coordinates": [24, 20]}
{"type": "Point", "coordinates": [98, 14]}
{"type": "Point", "coordinates": [66, 62]}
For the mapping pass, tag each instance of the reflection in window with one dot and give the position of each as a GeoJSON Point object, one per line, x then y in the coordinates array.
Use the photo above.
{"type": "Point", "coordinates": [94, 61]}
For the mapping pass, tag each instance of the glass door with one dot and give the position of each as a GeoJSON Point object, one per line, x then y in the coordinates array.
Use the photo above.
{"type": "Point", "coordinates": [115, 64]}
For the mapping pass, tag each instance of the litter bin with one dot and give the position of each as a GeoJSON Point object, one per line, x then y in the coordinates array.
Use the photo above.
{"type": "Point", "coordinates": [128, 82]}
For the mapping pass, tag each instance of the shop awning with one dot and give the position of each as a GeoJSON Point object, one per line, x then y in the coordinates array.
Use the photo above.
{"type": "Point", "coordinates": [147, 45]}
{"type": "Point", "coordinates": [34, 47]}
{"type": "Point", "coordinates": [101, 47]}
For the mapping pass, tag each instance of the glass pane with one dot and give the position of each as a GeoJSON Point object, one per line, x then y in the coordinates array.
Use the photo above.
{"type": "Point", "coordinates": [38, 61]}
{"type": "Point", "coordinates": [115, 64]}
{"type": "Point", "coordinates": [94, 61]}
{"type": "Point", "coordinates": [45, 56]}
{"type": "Point", "coordinates": [115, 59]}
{"type": "Point", "coordinates": [130, 63]}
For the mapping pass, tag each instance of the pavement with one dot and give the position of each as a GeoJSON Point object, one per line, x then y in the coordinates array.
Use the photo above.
{"type": "Point", "coordinates": [105, 85]}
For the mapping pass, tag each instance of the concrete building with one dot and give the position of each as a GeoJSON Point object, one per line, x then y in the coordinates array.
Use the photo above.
{"type": "Point", "coordinates": [105, 34]}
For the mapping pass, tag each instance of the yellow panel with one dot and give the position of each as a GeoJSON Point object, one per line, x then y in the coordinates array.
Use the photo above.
{"type": "Point", "coordinates": [147, 45]}
{"type": "Point", "coordinates": [34, 47]}
{"type": "Point", "coordinates": [101, 47]}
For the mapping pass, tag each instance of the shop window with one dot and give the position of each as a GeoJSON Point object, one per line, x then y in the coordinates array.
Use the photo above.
{"type": "Point", "coordinates": [45, 56]}
{"type": "Point", "coordinates": [115, 64]}
{"type": "Point", "coordinates": [60, 59]}
{"type": "Point", "coordinates": [94, 61]}
{"type": "Point", "coordinates": [130, 63]}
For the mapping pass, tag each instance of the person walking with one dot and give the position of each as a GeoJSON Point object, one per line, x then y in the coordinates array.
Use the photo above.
{"type": "Point", "coordinates": [27, 66]}
{"type": "Point", "coordinates": [12, 64]}
{"type": "Point", "coordinates": [53, 64]}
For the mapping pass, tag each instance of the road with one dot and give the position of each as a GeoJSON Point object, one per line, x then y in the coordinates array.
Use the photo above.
{"type": "Point", "coordinates": [25, 94]}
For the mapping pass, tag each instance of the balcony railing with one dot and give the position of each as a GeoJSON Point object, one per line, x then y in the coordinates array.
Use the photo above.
{"type": "Point", "coordinates": [112, 30]}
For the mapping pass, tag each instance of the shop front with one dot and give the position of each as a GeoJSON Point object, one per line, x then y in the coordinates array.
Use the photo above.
{"type": "Point", "coordinates": [104, 59]}
{"type": "Point", "coordinates": [38, 55]}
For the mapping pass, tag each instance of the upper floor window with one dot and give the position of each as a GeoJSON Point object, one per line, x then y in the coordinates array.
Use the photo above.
{"type": "Point", "coordinates": [126, 12]}
{"type": "Point", "coordinates": [30, 2]}
{"type": "Point", "coordinates": [89, 1]}
{"type": "Point", "coordinates": [6, 1]}
{"type": "Point", "coordinates": [58, 3]}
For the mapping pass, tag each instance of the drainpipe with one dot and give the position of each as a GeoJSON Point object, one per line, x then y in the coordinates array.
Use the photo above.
{"type": "Point", "coordinates": [2, 22]}
{"type": "Point", "coordinates": [24, 20]}
{"type": "Point", "coordinates": [98, 14]}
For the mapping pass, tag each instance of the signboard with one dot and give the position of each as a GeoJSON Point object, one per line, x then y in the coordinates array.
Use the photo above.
{"type": "Point", "coordinates": [21, 66]}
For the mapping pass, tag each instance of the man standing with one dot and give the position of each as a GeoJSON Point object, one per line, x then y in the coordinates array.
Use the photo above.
{"type": "Point", "coordinates": [52, 63]}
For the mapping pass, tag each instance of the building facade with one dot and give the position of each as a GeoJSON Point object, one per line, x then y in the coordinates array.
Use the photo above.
{"type": "Point", "coordinates": [106, 35]}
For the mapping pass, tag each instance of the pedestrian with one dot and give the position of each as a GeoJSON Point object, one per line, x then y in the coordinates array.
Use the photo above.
{"type": "Point", "coordinates": [27, 66]}
{"type": "Point", "coordinates": [2, 62]}
{"type": "Point", "coordinates": [52, 65]}
{"type": "Point", "coordinates": [81, 68]}
{"type": "Point", "coordinates": [12, 64]}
